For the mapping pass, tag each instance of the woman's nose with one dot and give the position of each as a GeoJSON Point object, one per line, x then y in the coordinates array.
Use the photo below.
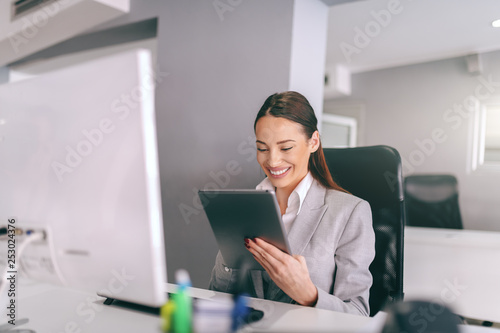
{"type": "Point", "coordinates": [274, 158]}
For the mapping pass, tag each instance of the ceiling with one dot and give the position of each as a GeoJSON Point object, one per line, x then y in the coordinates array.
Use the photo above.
{"type": "Point", "coordinates": [415, 31]}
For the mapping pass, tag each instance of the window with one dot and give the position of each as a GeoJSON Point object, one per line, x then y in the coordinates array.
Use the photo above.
{"type": "Point", "coordinates": [486, 133]}
{"type": "Point", "coordinates": [338, 131]}
{"type": "Point", "coordinates": [492, 134]}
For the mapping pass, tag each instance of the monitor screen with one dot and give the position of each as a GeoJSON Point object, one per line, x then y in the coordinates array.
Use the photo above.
{"type": "Point", "coordinates": [78, 161]}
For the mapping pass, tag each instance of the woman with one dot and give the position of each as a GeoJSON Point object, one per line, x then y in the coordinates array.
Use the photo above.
{"type": "Point", "coordinates": [329, 231]}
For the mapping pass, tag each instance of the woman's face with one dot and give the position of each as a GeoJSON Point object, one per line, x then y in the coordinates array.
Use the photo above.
{"type": "Point", "coordinates": [283, 150]}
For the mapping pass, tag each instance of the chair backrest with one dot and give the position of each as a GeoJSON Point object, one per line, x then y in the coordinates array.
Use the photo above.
{"type": "Point", "coordinates": [375, 175]}
{"type": "Point", "coordinates": [432, 201]}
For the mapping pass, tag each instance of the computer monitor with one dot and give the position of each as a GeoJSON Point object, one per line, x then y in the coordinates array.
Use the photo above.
{"type": "Point", "coordinates": [78, 160]}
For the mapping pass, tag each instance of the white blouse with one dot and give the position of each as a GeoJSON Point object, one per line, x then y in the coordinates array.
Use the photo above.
{"type": "Point", "coordinates": [295, 199]}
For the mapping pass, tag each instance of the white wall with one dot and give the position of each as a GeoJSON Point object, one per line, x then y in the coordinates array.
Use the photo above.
{"type": "Point", "coordinates": [404, 105]}
{"type": "Point", "coordinates": [221, 65]}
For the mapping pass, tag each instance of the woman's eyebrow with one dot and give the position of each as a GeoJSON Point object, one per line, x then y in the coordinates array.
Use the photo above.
{"type": "Point", "coordinates": [285, 141]}
{"type": "Point", "coordinates": [280, 142]}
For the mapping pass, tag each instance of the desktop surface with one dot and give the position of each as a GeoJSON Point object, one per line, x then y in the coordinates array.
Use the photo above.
{"type": "Point", "coordinates": [51, 308]}
{"type": "Point", "coordinates": [55, 309]}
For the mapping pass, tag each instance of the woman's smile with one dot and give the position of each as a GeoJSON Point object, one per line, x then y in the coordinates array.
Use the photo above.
{"type": "Point", "coordinates": [279, 172]}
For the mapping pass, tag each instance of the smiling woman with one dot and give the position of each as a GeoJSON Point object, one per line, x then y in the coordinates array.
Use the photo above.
{"type": "Point", "coordinates": [287, 123]}
{"type": "Point", "coordinates": [329, 230]}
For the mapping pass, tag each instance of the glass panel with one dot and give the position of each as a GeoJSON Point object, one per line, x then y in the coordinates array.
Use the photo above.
{"type": "Point", "coordinates": [492, 134]}
{"type": "Point", "coordinates": [335, 135]}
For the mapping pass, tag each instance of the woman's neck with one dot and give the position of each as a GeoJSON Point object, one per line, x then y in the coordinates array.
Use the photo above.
{"type": "Point", "coordinates": [283, 193]}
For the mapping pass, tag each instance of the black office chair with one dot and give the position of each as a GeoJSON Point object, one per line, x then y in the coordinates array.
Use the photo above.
{"type": "Point", "coordinates": [432, 201]}
{"type": "Point", "coordinates": [375, 175]}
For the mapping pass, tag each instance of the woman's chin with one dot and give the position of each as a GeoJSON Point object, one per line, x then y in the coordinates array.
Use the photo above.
{"type": "Point", "coordinates": [279, 182]}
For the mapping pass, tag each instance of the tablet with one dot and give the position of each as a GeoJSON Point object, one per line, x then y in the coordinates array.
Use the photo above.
{"type": "Point", "coordinates": [238, 214]}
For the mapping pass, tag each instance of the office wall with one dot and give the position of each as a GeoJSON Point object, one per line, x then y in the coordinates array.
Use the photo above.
{"type": "Point", "coordinates": [219, 65]}
{"type": "Point", "coordinates": [216, 70]}
{"type": "Point", "coordinates": [220, 72]}
{"type": "Point", "coordinates": [404, 105]}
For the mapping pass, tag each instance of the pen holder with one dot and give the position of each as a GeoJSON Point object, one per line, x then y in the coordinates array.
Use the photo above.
{"type": "Point", "coordinates": [177, 313]}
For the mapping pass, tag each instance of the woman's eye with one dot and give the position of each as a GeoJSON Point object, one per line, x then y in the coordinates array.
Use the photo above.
{"type": "Point", "coordinates": [285, 149]}
{"type": "Point", "coordinates": [261, 149]}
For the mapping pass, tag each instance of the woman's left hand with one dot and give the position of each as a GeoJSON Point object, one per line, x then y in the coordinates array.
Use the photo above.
{"type": "Point", "coordinates": [290, 273]}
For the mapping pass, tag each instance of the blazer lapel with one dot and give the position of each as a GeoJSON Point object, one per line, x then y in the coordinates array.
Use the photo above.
{"type": "Point", "coordinates": [305, 224]}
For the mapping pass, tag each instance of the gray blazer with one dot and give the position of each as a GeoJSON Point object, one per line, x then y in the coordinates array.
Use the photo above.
{"type": "Point", "coordinates": [334, 233]}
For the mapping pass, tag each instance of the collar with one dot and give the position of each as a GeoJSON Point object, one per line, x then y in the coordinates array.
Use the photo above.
{"type": "Point", "coordinates": [301, 189]}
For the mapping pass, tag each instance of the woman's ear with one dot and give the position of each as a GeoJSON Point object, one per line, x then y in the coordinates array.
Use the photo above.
{"type": "Point", "coordinates": [314, 142]}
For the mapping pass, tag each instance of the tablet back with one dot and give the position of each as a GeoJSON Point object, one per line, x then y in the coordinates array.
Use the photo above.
{"type": "Point", "coordinates": [238, 214]}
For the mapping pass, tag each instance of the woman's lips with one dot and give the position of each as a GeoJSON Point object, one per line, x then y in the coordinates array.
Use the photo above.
{"type": "Point", "coordinates": [279, 172]}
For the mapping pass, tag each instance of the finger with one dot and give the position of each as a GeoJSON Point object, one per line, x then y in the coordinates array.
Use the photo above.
{"type": "Point", "coordinates": [263, 255]}
{"type": "Point", "coordinates": [272, 250]}
{"type": "Point", "coordinates": [258, 257]}
{"type": "Point", "coordinates": [302, 261]}
{"type": "Point", "coordinates": [264, 263]}
{"type": "Point", "coordinates": [299, 258]}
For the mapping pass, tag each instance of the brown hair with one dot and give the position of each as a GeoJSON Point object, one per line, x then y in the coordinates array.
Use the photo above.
{"type": "Point", "coordinates": [295, 107]}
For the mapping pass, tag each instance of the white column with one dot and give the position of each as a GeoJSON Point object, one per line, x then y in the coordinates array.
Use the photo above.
{"type": "Point", "coordinates": [307, 64]}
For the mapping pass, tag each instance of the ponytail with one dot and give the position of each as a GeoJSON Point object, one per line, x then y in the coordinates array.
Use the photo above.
{"type": "Point", "coordinates": [320, 172]}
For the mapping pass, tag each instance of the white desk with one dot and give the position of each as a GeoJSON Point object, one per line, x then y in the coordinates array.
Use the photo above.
{"type": "Point", "coordinates": [281, 317]}
{"type": "Point", "coordinates": [53, 309]}
{"type": "Point", "coordinates": [435, 259]}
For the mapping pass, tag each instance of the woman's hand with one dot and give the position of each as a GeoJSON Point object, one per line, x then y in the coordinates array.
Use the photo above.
{"type": "Point", "coordinates": [290, 273]}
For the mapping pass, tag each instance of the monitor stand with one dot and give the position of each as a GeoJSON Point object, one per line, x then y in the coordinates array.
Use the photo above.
{"type": "Point", "coordinates": [132, 306]}
{"type": "Point", "coordinates": [252, 316]}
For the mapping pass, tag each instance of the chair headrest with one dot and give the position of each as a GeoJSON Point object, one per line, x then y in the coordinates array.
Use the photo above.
{"type": "Point", "coordinates": [372, 173]}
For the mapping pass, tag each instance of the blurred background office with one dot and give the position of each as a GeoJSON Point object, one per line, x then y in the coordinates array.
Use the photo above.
{"type": "Point", "coordinates": [421, 76]}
